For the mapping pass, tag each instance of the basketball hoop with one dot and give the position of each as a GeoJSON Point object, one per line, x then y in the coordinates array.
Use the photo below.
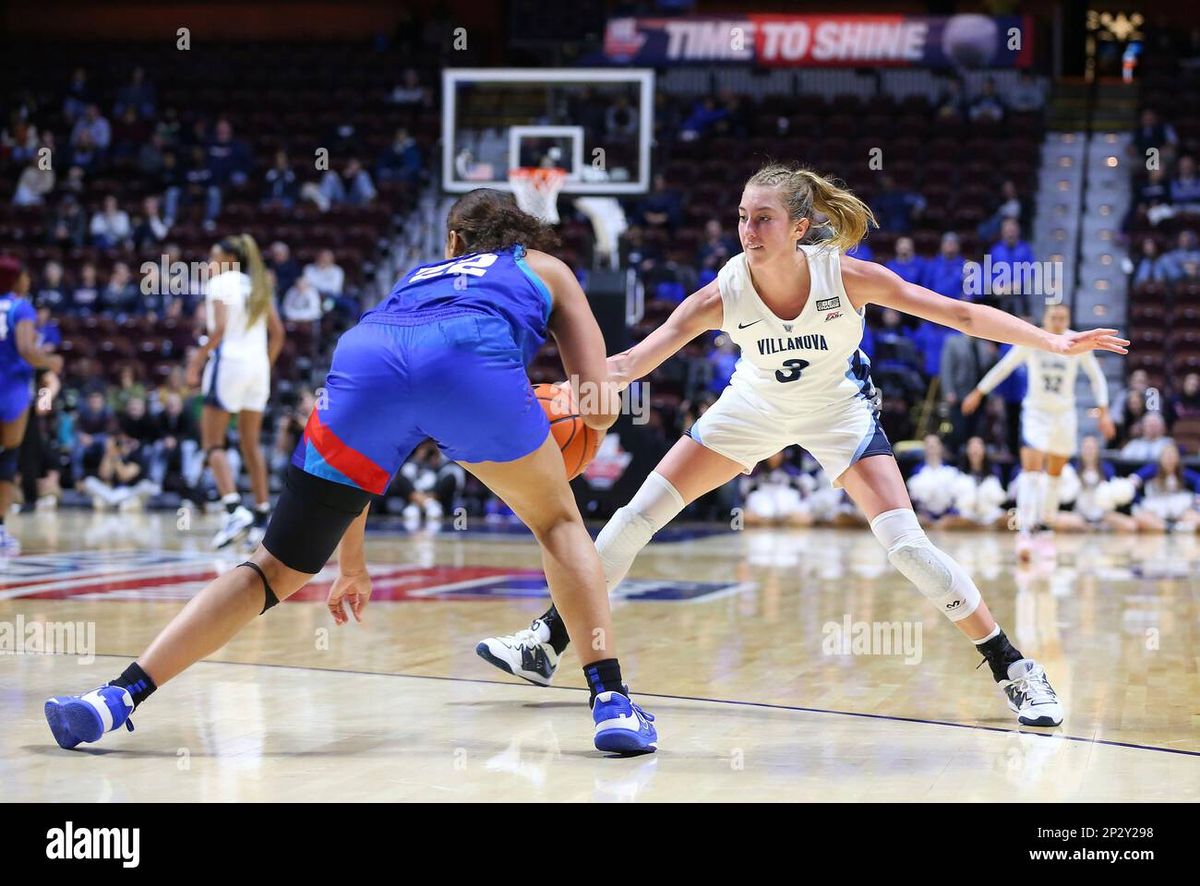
{"type": "Point", "coordinates": [536, 189]}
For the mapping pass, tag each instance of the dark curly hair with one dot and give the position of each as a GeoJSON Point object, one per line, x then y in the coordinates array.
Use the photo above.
{"type": "Point", "coordinates": [489, 220]}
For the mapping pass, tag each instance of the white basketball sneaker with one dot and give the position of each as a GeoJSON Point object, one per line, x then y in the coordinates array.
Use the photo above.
{"type": "Point", "coordinates": [526, 654]}
{"type": "Point", "coordinates": [1030, 695]}
{"type": "Point", "coordinates": [234, 526]}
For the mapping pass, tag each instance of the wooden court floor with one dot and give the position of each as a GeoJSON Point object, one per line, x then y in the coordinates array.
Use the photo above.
{"type": "Point", "coordinates": [782, 666]}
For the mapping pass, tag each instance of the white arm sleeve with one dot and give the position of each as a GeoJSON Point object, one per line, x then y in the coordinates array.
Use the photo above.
{"type": "Point", "coordinates": [1096, 376]}
{"type": "Point", "coordinates": [1016, 355]}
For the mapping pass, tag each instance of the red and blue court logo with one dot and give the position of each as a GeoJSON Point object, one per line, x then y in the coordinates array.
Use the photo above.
{"type": "Point", "coordinates": [180, 575]}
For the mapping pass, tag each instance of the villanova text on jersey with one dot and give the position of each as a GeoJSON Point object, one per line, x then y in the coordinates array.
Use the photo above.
{"type": "Point", "coordinates": [814, 342]}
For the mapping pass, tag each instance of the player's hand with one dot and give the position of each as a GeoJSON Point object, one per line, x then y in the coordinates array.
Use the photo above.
{"type": "Point", "coordinates": [1107, 427]}
{"type": "Point", "coordinates": [349, 587]}
{"type": "Point", "coordinates": [1070, 344]}
{"type": "Point", "coordinates": [971, 402]}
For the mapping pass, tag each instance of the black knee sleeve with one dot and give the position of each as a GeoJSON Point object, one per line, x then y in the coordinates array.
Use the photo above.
{"type": "Point", "coordinates": [310, 519]}
{"type": "Point", "coordinates": [8, 464]}
{"type": "Point", "coordinates": [271, 599]}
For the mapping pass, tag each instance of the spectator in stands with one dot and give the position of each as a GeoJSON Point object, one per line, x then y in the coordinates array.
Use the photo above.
{"type": "Point", "coordinates": [93, 424]}
{"type": "Point", "coordinates": [19, 139]}
{"type": "Point", "coordinates": [79, 95]}
{"type": "Point", "coordinates": [1008, 254]}
{"type": "Point", "coordinates": [127, 388]}
{"type": "Point", "coordinates": [129, 133]}
{"type": "Point", "coordinates": [716, 248]}
{"type": "Point", "coordinates": [930, 339]}
{"type": "Point", "coordinates": [84, 152]}
{"type": "Point", "coordinates": [933, 485]}
{"type": "Point", "coordinates": [151, 229]}
{"type": "Point", "coordinates": [951, 105]}
{"type": "Point", "coordinates": [907, 264]}
{"type": "Point", "coordinates": [662, 207]}
{"type": "Point", "coordinates": [401, 160]}
{"type": "Point", "coordinates": [140, 432]}
{"type": "Point", "coordinates": [94, 126]}
{"type": "Point", "coordinates": [987, 107]}
{"type": "Point", "coordinates": [1133, 410]}
{"type": "Point", "coordinates": [410, 92]}
{"type": "Point", "coordinates": [1185, 187]}
{"type": "Point", "coordinates": [199, 188]}
{"type": "Point", "coordinates": [150, 156]}
{"type": "Point", "coordinates": [110, 227]}
{"type": "Point", "coordinates": [775, 493]}
{"type": "Point", "coordinates": [635, 252]}
{"type": "Point", "coordinates": [290, 427]}
{"type": "Point", "coordinates": [1011, 206]}
{"type": "Point", "coordinates": [227, 158]}
{"type": "Point", "coordinates": [176, 448]}
{"type": "Point", "coordinates": [1150, 441]}
{"type": "Point", "coordinates": [120, 294]}
{"type": "Point", "coordinates": [944, 272]}
{"type": "Point", "coordinates": [34, 185]}
{"type": "Point", "coordinates": [49, 336]}
{"type": "Point", "coordinates": [282, 265]}
{"type": "Point", "coordinates": [1153, 201]}
{"type": "Point", "coordinates": [302, 304]}
{"type": "Point", "coordinates": [85, 297]}
{"type": "Point", "coordinates": [1168, 502]}
{"type": "Point", "coordinates": [978, 491]}
{"type": "Point", "coordinates": [1027, 96]}
{"type": "Point", "coordinates": [326, 275]}
{"type": "Point", "coordinates": [1175, 262]}
{"type": "Point", "coordinates": [896, 208]}
{"type": "Point", "coordinates": [352, 186]}
{"type": "Point", "coordinates": [137, 95]}
{"type": "Point", "coordinates": [113, 478]}
{"type": "Point", "coordinates": [51, 292]}
{"type": "Point", "coordinates": [1152, 132]}
{"type": "Point", "coordinates": [280, 186]}
{"type": "Point", "coordinates": [705, 113]}
{"type": "Point", "coordinates": [1186, 404]}
{"type": "Point", "coordinates": [1148, 267]}
{"type": "Point", "coordinates": [621, 120]}
{"type": "Point", "coordinates": [964, 362]}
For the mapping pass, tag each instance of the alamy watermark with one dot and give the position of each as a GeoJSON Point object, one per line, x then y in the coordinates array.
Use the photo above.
{"type": "Point", "coordinates": [849, 637]}
{"type": "Point", "coordinates": [166, 277]}
{"type": "Point", "coordinates": [37, 637]}
{"type": "Point", "coordinates": [1043, 278]}
{"type": "Point", "coordinates": [605, 398]}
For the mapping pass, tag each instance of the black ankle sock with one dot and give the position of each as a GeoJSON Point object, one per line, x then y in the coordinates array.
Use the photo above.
{"type": "Point", "coordinates": [558, 631]}
{"type": "Point", "coordinates": [137, 681]}
{"type": "Point", "coordinates": [604, 676]}
{"type": "Point", "coordinates": [261, 517]}
{"type": "Point", "coordinates": [999, 654]}
{"type": "Point", "coordinates": [231, 506]}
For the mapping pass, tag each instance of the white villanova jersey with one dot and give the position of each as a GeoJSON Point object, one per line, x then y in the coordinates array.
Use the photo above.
{"type": "Point", "coordinates": [240, 343]}
{"type": "Point", "coordinates": [1051, 377]}
{"type": "Point", "coordinates": [810, 361]}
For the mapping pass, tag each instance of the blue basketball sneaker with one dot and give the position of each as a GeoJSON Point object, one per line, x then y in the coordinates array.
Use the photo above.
{"type": "Point", "coordinates": [621, 726]}
{"type": "Point", "coordinates": [78, 718]}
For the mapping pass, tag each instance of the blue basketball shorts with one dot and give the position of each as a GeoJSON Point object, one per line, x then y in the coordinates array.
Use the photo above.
{"type": "Point", "coordinates": [15, 397]}
{"type": "Point", "coordinates": [459, 380]}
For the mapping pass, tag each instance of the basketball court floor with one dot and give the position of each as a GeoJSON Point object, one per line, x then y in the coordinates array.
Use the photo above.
{"type": "Point", "coordinates": [782, 666]}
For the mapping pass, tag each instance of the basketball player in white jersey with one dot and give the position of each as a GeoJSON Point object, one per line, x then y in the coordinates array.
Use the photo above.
{"type": "Point", "coordinates": [244, 337]}
{"type": "Point", "coordinates": [797, 312]}
{"type": "Point", "coordinates": [1049, 431]}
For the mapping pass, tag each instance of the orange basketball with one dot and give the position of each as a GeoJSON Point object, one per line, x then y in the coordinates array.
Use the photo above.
{"type": "Point", "coordinates": [576, 441]}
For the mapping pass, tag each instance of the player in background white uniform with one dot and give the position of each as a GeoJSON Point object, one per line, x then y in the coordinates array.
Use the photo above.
{"type": "Point", "coordinates": [1049, 428]}
{"type": "Point", "coordinates": [245, 335]}
{"type": "Point", "coordinates": [805, 381]}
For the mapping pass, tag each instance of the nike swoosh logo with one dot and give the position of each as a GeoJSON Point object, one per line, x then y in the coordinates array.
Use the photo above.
{"type": "Point", "coordinates": [744, 325]}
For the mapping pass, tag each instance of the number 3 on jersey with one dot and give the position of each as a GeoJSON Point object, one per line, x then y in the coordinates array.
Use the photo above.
{"type": "Point", "coordinates": [794, 368]}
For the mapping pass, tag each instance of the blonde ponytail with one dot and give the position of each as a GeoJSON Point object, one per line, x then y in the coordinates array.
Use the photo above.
{"type": "Point", "coordinates": [804, 191]}
{"type": "Point", "coordinates": [245, 250]}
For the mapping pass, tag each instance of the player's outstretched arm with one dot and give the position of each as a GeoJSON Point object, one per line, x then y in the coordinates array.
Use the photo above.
{"type": "Point", "coordinates": [869, 283]}
{"type": "Point", "coordinates": [696, 314]}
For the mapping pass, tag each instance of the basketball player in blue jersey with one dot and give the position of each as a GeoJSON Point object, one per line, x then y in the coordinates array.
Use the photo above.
{"type": "Point", "coordinates": [443, 356]}
{"type": "Point", "coordinates": [19, 358]}
{"type": "Point", "coordinates": [796, 312]}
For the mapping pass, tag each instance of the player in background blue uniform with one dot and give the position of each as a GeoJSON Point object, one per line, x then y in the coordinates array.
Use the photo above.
{"type": "Point", "coordinates": [20, 356]}
{"type": "Point", "coordinates": [443, 356]}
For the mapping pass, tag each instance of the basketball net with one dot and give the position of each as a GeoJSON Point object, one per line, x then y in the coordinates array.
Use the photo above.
{"type": "Point", "coordinates": [536, 189]}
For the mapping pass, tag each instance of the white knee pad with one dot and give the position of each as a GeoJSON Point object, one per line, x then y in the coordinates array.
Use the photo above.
{"type": "Point", "coordinates": [655, 505]}
{"type": "Point", "coordinates": [935, 574]}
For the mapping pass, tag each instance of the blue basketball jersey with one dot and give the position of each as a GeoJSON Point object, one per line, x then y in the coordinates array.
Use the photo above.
{"type": "Point", "coordinates": [500, 284]}
{"type": "Point", "coordinates": [13, 367]}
